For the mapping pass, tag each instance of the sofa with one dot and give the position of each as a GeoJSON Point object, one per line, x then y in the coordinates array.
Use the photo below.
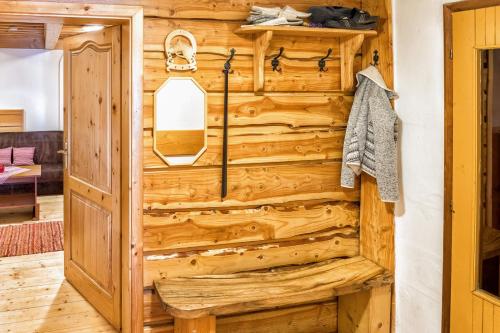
{"type": "Point", "coordinates": [46, 144]}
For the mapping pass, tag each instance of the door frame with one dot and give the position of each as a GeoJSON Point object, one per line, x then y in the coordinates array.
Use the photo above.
{"type": "Point", "coordinates": [448, 10]}
{"type": "Point", "coordinates": [131, 19]}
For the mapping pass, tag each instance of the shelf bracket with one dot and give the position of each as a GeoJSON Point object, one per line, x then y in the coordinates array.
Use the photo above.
{"type": "Point", "coordinates": [261, 44]}
{"type": "Point", "coordinates": [349, 46]}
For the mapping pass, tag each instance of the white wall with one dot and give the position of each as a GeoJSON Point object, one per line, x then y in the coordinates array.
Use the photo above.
{"type": "Point", "coordinates": [418, 47]}
{"type": "Point", "coordinates": [29, 80]}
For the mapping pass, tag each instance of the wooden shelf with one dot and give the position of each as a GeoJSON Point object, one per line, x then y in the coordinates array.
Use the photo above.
{"type": "Point", "coordinates": [350, 42]}
{"type": "Point", "coordinates": [303, 31]}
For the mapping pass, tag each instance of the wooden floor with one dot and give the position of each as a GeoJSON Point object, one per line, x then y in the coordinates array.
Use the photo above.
{"type": "Point", "coordinates": [51, 209]}
{"type": "Point", "coordinates": [35, 297]}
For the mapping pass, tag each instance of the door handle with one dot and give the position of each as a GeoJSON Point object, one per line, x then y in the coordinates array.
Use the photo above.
{"type": "Point", "coordinates": [64, 152]}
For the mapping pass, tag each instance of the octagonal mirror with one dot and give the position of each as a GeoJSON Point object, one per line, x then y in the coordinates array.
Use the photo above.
{"type": "Point", "coordinates": [180, 121]}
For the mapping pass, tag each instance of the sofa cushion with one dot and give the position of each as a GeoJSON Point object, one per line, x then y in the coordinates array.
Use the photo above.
{"type": "Point", "coordinates": [23, 156]}
{"type": "Point", "coordinates": [6, 156]}
{"type": "Point", "coordinates": [47, 143]}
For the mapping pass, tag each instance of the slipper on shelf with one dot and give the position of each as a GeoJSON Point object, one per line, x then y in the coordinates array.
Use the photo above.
{"type": "Point", "coordinates": [347, 23]}
{"type": "Point", "coordinates": [322, 14]}
{"type": "Point", "coordinates": [276, 16]}
{"type": "Point", "coordinates": [276, 21]}
{"type": "Point", "coordinates": [259, 18]}
{"type": "Point", "coordinates": [362, 17]}
{"type": "Point", "coordinates": [293, 13]}
{"type": "Point", "coordinates": [273, 11]}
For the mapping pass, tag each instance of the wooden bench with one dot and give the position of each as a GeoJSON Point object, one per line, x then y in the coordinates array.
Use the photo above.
{"type": "Point", "coordinates": [195, 302]}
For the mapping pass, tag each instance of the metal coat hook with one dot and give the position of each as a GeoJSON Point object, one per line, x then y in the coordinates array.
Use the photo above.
{"type": "Point", "coordinates": [322, 61]}
{"type": "Point", "coordinates": [275, 62]}
{"type": "Point", "coordinates": [376, 58]}
{"type": "Point", "coordinates": [227, 65]}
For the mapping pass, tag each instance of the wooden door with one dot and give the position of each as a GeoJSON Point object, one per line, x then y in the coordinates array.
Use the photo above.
{"type": "Point", "coordinates": [92, 83]}
{"type": "Point", "coordinates": [476, 34]}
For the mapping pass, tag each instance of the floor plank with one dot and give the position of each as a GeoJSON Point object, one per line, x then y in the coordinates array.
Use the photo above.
{"type": "Point", "coordinates": [35, 297]}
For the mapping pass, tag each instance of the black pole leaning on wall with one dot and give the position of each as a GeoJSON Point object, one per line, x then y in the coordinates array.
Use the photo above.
{"type": "Point", "coordinates": [226, 71]}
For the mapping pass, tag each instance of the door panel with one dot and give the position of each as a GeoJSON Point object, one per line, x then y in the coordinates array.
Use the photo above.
{"type": "Point", "coordinates": [90, 253]}
{"type": "Point", "coordinates": [92, 83]}
{"type": "Point", "coordinates": [90, 115]}
{"type": "Point", "coordinates": [475, 305]}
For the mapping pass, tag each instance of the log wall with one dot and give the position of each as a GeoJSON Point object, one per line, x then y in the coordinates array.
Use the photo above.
{"type": "Point", "coordinates": [284, 204]}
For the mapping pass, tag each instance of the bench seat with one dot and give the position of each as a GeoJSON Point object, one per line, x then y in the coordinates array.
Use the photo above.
{"type": "Point", "coordinates": [215, 295]}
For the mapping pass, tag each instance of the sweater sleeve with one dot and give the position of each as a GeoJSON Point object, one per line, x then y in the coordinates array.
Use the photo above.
{"type": "Point", "coordinates": [347, 176]}
{"type": "Point", "coordinates": [385, 126]}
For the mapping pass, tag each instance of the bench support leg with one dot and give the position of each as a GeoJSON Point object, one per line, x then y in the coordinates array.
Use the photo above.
{"type": "Point", "coordinates": [365, 312]}
{"type": "Point", "coordinates": [198, 325]}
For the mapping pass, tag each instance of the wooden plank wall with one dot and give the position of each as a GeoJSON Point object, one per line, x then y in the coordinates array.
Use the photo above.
{"type": "Point", "coordinates": [285, 205]}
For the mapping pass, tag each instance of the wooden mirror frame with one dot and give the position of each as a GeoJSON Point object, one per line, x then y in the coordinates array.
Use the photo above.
{"type": "Point", "coordinates": [205, 137]}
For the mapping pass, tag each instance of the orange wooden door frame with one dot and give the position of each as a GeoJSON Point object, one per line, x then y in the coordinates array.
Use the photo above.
{"type": "Point", "coordinates": [131, 20]}
{"type": "Point", "coordinates": [448, 10]}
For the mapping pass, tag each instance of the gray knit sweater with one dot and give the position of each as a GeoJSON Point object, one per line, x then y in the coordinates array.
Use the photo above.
{"type": "Point", "coordinates": [371, 136]}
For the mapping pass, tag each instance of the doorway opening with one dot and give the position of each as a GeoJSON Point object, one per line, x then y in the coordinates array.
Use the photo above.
{"type": "Point", "coordinates": [68, 167]}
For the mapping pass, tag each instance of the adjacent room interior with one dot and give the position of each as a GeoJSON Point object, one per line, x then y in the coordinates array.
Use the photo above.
{"type": "Point", "coordinates": [60, 200]}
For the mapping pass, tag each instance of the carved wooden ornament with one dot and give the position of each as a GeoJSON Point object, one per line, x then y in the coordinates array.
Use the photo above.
{"type": "Point", "coordinates": [181, 49]}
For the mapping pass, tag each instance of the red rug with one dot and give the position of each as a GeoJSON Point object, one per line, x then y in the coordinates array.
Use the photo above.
{"type": "Point", "coordinates": [32, 238]}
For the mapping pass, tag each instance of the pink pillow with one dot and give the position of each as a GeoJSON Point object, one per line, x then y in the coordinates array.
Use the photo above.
{"type": "Point", "coordinates": [6, 156]}
{"type": "Point", "coordinates": [24, 156]}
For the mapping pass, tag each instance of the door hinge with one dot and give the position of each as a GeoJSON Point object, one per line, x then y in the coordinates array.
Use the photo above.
{"type": "Point", "coordinates": [451, 207]}
{"type": "Point", "coordinates": [451, 54]}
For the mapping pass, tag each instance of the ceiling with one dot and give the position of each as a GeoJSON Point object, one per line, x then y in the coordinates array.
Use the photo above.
{"type": "Point", "coordinates": [22, 35]}
{"type": "Point", "coordinates": [27, 35]}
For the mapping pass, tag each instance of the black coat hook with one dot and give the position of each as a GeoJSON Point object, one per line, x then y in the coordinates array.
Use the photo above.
{"type": "Point", "coordinates": [376, 57]}
{"type": "Point", "coordinates": [322, 61]}
{"type": "Point", "coordinates": [227, 65]}
{"type": "Point", "coordinates": [275, 62]}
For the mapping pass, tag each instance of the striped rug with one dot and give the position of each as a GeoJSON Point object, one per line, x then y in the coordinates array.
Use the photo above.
{"type": "Point", "coordinates": [31, 238]}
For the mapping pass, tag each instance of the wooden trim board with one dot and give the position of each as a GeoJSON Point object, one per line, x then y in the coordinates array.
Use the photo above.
{"type": "Point", "coordinates": [12, 120]}
{"type": "Point", "coordinates": [131, 19]}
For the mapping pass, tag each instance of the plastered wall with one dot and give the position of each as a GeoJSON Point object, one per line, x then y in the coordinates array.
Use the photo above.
{"type": "Point", "coordinates": [418, 47]}
{"type": "Point", "coordinates": [29, 80]}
